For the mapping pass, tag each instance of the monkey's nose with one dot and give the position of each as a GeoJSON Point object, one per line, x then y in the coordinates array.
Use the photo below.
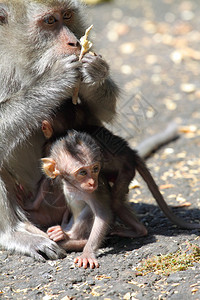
{"type": "Point", "coordinates": [91, 182]}
{"type": "Point", "coordinates": [75, 45]}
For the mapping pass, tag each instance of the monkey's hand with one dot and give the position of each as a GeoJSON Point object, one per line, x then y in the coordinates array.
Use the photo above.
{"type": "Point", "coordinates": [56, 234]}
{"type": "Point", "coordinates": [94, 69]}
{"type": "Point", "coordinates": [65, 73]}
{"type": "Point", "coordinates": [86, 259]}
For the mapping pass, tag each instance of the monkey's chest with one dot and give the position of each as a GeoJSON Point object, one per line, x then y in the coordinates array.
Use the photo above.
{"type": "Point", "coordinates": [74, 199]}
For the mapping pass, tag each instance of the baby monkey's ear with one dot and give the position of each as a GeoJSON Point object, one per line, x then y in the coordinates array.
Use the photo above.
{"type": "Point", "coordinates": [49, 167]}
{"type": "Point", "coordinates": [47, 129]}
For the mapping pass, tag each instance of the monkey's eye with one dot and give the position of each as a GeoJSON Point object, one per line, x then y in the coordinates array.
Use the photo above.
{"type": "Point", "coordinates": [67, 15]}
{"type": "Point", "coordinates": [50, 20]}
{"type": "Point", "coordinates": [82, 172]}
{"type": "Point", "coordinates": [96, 169]}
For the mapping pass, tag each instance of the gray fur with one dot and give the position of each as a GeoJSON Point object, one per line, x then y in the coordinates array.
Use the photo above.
{"type": "Point", "coordinates": [35, 80]}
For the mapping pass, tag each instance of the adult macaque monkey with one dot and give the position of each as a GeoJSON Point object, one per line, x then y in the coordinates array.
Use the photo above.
{"type": "Point", "coordinates": [39, 70]}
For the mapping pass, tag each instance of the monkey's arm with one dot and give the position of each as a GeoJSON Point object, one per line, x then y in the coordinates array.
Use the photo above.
{"type": "Point", "coordinates": [97, 89]}
{"type": "Point", "coordinates": [23, 112]}
{"type": "Point", "coordinates": [58, 235]}
{"type": "Point", "coordinates": [102, 213]}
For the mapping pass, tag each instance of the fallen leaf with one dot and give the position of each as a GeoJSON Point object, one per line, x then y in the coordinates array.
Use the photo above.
{"type": "Point", "coordinates": [194, 291]}
{"type": "Point", "coordinates": [186, 204]}
{"type": "Point", "coordinates": [188, 129]}
{"type": "Point", "coordinates": [67, 298]}
{"type": "Point", "coordinates": [101, 277]}
{"type": "Point", "coordinates": [166, 186]}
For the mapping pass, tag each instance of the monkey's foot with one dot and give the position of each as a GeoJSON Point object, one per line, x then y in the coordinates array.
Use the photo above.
{"type": "Point", "coordinates": [84, 260]}
{"type": "Point", "coordinates": [37, 246]}
{"type": "Point", "coordinates": [44, 248]}
{"type": "Point", "coordinates": [126, 232]}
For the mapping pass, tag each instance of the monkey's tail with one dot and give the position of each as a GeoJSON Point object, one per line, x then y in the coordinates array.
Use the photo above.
{"type": "Point", "coordinates": [152, 143]}
{"type": "Point", "coordinates": [146, 175]}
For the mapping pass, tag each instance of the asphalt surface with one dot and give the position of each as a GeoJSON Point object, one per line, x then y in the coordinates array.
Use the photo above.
{"type": "Point", "coordinates": [153, 47]}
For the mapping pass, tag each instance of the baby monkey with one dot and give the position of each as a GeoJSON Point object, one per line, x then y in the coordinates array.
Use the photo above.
{"type": "Point", "coordinates": [75, 161]}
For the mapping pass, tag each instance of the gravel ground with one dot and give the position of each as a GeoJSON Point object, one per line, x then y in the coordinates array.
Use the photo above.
{"type": "Point", "coordinates": [153, 50]}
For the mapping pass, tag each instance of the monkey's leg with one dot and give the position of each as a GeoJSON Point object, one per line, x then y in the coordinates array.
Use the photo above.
{"type": "Point", "coordinates": [135, 228]}
{"type": "Point", "coordinates": [123, 210]}
{"type": "Point", "coordinates": [14, 234]}
{"type": "Point", "coordinates": [124, 232]}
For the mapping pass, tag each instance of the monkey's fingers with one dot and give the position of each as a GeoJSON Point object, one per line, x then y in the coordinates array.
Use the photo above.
{"type": "Point", "coordinates": [93, 263]}
{"type": "Point", "coordinates": [78, 260]}
{"type": "Point", "coordinates": [57, 237]}
{"type": "Point", "coordinates": [56, 233]}
{"type": "Point", "coordinates": [52, 228]}
{"type": "Point", "coordinates": [46, 248]}
{"type": "Point", "coordinates": [84, 262]}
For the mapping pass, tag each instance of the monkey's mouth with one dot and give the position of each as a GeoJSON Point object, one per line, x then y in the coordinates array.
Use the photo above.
{"type": "Point", "coordinates": [92, 188]}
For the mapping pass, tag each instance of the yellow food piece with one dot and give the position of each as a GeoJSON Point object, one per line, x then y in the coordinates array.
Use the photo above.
{"type": "Point", "coordinates": [86, 45]}
{"type": "Point", "coordinates": [92, 2]}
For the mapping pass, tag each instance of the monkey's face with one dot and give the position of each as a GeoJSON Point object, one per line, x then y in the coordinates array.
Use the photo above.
{"type": "Point", "coordinates": [53, 31]}
{"type": "Point", "coordinates": [86, 178]}
{"type": "Point", "coordinates": [55, 27]}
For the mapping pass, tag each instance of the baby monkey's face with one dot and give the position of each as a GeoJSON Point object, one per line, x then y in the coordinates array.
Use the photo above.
{"type": "Point", "coordinates": [86, 177]}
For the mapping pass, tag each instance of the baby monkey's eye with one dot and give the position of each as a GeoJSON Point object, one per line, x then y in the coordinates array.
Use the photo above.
{"type": "Point", "coordinates": [67, 15]}
{"type": "Point", "coordinates": [50, 20]}
{"type": "Point", "coordinates": [96, 169]}
{"type": "Point", "coordinates": [82, 172]}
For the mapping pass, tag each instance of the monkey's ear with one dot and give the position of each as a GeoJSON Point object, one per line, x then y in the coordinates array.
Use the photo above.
{"type": "Point", "coordinates": [49, 167]}
{"type": "Point", "coordinates": [3, 15]}
{"type": "Point", "coordinates": [47, 129]}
